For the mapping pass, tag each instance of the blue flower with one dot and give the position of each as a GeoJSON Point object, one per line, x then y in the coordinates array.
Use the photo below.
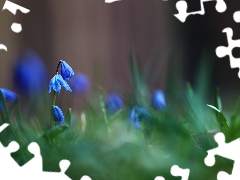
{"type": "Point", "coordinates": [30, 74]}
{"type": "Point", "coordinates": [113, 103]}
{"type": "Point", "coordinates": [8, 95]}
{"type": "Point", "coordinates": [158, 100]}
{"type": "Point", "coordinates": [56, 82]}
{"type": "Point", "coordinates": [57, 115]}
{"type": "Point", "coordinates": [66, 71]}
{"type": "Point", "coordinates": [80, 83]}
{"type": "Point", "coordinates": [138, 114]}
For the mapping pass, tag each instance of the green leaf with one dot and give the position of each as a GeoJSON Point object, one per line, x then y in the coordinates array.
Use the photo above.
{"type": "Point", "coordinates": [55, 132]}
{"type": "Point", "coordinates": [204, 76]}
{"type": "Point", "coordinates": [115, 115]}
{"type": "Point", "coordinates": [68, 116]}
{"type": "Point", "coordinates": [222, 121]}
{"type": "Point", "coordinates": [236, 110]}
{"type": "Point", "coordinates": [140, 88]}
{"type": "Point", "coordinates": [102, 104]}
{"type": "Point", "coordinates": [4, 108]}
{"type": "Point", "coordinates": [198, 116]}
{"type": "Point", "coordinates": [7, 117]}
{"type": "Point", "coordinates": [218, 102]}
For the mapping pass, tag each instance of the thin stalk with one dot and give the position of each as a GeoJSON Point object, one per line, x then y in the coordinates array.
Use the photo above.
{"type": "Point", "coordinates": [102, 104]}
{"type": "Point", "coordinates": [54, 103]}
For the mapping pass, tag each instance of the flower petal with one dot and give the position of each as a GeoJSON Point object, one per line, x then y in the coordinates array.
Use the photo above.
{"type": "Point", "coordinates": [66, 71]}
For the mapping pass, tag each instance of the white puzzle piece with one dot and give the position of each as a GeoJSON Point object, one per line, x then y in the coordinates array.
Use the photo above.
{"type": "Point", "coordinates": [182, 9]}
{"type": "Point", "coordinates": [228, 150]}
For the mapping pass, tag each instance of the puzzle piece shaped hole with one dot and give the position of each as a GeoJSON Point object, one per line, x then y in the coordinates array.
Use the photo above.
{"type": "Point", "coordinates": [236, 52]}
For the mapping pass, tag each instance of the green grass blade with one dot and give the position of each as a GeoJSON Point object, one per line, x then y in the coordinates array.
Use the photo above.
{"type": "Point", "coordinates": [115, 115]}
{"type": "Point", "coordinates": [54, 132]}
{"type": "Point", "coordinates": [218, 102]}
{"type": "Point", "coordinates": [68, 116]}
{"type": "Point", "coordinates": [7, 117]}
{"type": "Point", "coordinates": [102, 105]}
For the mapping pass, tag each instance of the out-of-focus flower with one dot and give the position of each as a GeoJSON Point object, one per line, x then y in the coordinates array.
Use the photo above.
{"type": "Point", "coordinates": [30, 74]}
{"type": "Point", "coordinates": [113, 103]}
{"type": "Point", "coordinates": [158, 100]}
{"type": "Point", "coordinates": [56, 82]}
{"type": "Point", "coordinates": [80, 83]}
{"type": "Point", "coordinates": [8, 95]}
{"type": "Point", "coordinates": [57, 115]}
{"type": "Point", "coordinates": [66, 70]}
{"type": "Point", "coordinates": [138, 114]}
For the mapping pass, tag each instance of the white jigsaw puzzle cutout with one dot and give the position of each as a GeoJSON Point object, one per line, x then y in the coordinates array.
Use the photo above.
{"type": "Point", "coordinates": [33, 169]}
{"type": "Point", "coordinates": [182, 9]}
{"type": "Point", "coordinates": [228, 150]}
{"type": "Point", "coordinates": [177, 171]}
{"type": "Point", "coordinates": [222, 51]}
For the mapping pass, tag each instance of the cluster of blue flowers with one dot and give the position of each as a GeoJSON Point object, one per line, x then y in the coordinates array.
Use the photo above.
{"type": "Point", "coordinates": [113, 103]}
{"type": "Point", "coordinates": [55, 83]}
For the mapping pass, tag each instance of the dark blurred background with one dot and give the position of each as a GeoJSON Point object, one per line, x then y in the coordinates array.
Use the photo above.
{"type": "Point", "coordinates": [96, 38]}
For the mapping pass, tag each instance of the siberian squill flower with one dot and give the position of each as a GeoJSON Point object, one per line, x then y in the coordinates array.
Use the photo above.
{"type": "Point", "coordinates": [57, 114]}
{"type": "Point", "coordinates": [56, 82]}
{"type": "Point", "coordinates": [80, 83]}
{"type": "Point", "coordinates": [113, 103]}
{"type": "Point", "coordinates": [66, 70]}
{"type": "Point", "coordinates": [158, 100]}
{"type": "Point", "coordinates": [30, 74]}
{"type": "Point", "coordinates": [8, 95]}
{"type": "Point", "coordinates": [138, 114]}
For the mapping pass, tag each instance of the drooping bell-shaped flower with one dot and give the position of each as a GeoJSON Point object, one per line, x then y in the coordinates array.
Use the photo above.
{"type": "Point", "coordinates": [158, 100]}
{"type": "Point", "coordinates": [138, 114]}
{"type": "Point", "coordinates": [8, 95]}
{"type": "Point", "coordinates": [66, 71]}
{"type": "Point", "coordinates": [57, 115]}
{"type": "Point", "coordinates": [113, 103]}
{"type": "Point", "coordinates": [80, 83]}
{"type": "Point", "coordinates": [56, 82]}
{"type": "Point", "coordinates": [30, 74]}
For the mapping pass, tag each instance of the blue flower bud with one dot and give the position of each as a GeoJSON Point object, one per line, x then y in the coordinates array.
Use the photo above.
{"type": "Point", "coordinates": [138, 114]}
{"type": "Point", "coordinates": [30, 74]}
{"type": "Point", "coordinates": [66, 71]}
{"type": "Point", "coordinates": [80, 83]}
{"type": "Point", "coordinates": [158, 100]}
{"type": "Point", "coordinates": [56, 82]}
{"type": "Point", "coordinates": [113, 103]}
{"type": "Point", "coordinates": [8, 95]}
{"type": "Point", "coordinates": [57, 115]}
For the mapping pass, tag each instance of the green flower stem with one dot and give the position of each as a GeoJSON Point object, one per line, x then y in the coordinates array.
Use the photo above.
{"type": "Point", "coordinates": [102, 104]}
{"type": "Point", "coordinates": [54, 103]}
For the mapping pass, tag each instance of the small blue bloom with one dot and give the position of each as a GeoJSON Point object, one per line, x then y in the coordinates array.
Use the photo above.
{"type": "Point", "coordinates": [8, 95]}
{"type": "Point", "coordinates": [30, 74]}
{"type": "Point", "coordinates": [158, 100]}
{"type": "Point", "coordinates": [57, 115]}
{"type": "Point", "coordinates": [113, 103]}
{"type": "Point", "coordinates": [138, 114]}
{"type": "Point", "coordinates": [56, 82]}
{"type": "Point", "coordinates": [80, 83]}
{"type": "Point", "coordinates": [66, 71]}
